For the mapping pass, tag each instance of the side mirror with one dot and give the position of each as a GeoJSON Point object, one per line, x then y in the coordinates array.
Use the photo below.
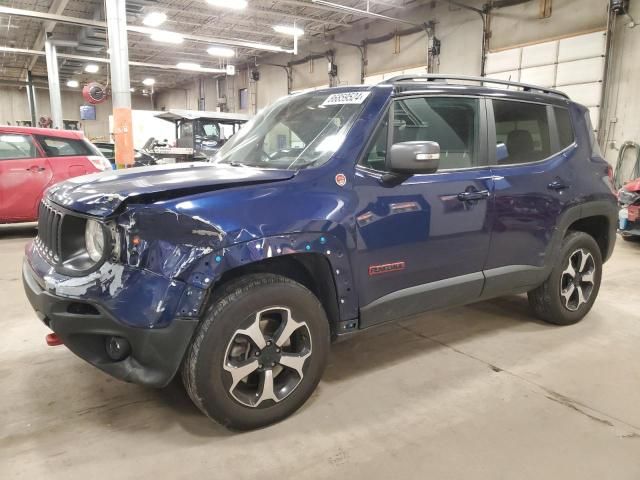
{"type": "Point", "coordinates": [414, 157]}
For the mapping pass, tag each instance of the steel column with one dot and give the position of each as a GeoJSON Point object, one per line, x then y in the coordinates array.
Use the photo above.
{"type": "Point", "coordinates": [31, 97]}
{"type": "Point", "coordinates": [120, 82]}
{"type": "Point", "coordinates": [54, 84]}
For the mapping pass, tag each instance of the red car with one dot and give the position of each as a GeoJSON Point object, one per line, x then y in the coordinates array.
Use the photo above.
{"type": "Point", "coordinates": [629, 198]}
{"type": "Point", "coordinates": [32, 159]}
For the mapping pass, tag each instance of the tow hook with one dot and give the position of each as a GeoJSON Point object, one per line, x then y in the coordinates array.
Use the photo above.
{"type": "Point", "coordinates": [53, 340]}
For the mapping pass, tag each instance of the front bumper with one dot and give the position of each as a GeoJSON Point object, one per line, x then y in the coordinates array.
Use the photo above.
{"type": "Point", "coordinates": [85, 326]}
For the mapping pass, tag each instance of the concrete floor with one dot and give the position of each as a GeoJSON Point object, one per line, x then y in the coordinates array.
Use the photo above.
{"type": "Point", "coordinates": [482, 392]}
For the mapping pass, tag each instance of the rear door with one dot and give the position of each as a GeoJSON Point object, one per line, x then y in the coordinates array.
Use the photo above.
{"type": "Point", "coordinates": [532, 145]}
{"type": "Point", "coordinates": [68, 157]}
{"type": "Point", "coordinates": [24, 175]}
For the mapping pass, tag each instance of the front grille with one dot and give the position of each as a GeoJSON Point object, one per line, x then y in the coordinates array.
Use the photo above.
{"type": "Point", "coordinates": [49, 232]}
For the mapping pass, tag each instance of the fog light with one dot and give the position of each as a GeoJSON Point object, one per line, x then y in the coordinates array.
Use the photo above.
{"type": "Point", "coordinates": [118, 348]}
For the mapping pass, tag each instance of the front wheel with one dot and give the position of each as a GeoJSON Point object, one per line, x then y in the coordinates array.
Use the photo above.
{"type": "Point", "coordinates": [571, 289]}
{"type": "Point", "coordinates": [259, 353]}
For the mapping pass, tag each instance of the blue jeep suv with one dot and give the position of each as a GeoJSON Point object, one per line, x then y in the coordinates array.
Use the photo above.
{"type": "Point", "coordinates": [330, 212]}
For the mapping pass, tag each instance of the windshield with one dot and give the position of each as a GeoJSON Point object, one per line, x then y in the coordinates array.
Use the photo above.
{"type": "Point", "coordinates": [296, 132]}
{"type": "Point", "coordinates": [208, 129]}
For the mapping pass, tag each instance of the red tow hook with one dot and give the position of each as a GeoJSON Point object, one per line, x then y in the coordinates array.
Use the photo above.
{"type": "Point", "coordinates": [53, 340]}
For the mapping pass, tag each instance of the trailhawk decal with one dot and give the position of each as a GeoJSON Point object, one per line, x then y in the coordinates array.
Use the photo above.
{"type": "Point", "coordinates": [348, 98]}
{"type": "Point", "coordinates": [386, 268]}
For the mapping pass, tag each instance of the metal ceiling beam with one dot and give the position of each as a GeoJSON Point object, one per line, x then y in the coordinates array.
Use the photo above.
{"type": "Point", "coordinates": [83, 58]}
{"type": "Point", "coordinates": [257, 11]}
{"type": "Point", "coordinates": [364, 13]}
{"type": "Point", "coordinates": [140, 30]}
{"type": "Point", "coordinates": [302, 3]}
{"type": "Point", "coordinates": [57, 7]}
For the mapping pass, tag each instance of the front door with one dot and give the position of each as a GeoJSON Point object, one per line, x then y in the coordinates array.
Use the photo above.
{"type": "Point", "coordinates": [422, 243]}
{"type": "Point", "coordinates": [24, 175]}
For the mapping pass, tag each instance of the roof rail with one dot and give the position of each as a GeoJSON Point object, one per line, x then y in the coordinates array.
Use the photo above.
{"type": "Point", "coordinates": [432, 77]}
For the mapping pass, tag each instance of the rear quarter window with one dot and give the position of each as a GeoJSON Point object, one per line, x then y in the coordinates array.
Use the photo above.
{"type": "Point", "coordinates": [64, 147]}
{"type": "Point", "coordinates": [564, 126]}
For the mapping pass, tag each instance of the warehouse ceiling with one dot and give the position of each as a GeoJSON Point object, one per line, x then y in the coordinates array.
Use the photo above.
{"type": "Point", "coordinates": [195, 17]}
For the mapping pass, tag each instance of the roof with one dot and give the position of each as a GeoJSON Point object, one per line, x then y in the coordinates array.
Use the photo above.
{"type": "Point", "coordinates": [49, 132]}
{"type": "Point", "coordinates": [177, 114]}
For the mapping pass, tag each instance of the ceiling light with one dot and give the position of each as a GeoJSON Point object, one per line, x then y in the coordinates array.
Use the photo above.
{"type": "Point", "coordinates": [293, 31]}
{"type": "Point", "coordinates": [73, 84]}
{"type": "Point", "coordinates": [221, 52]}
{"type": "Point", "coordinates": [167, 37]}
{"type": "Point", "coordinates": [154, 19]}
{"type": "Point", "coordinates": [92, 68]}
{"type": "Point", "coordinates": [188, 66]}
{"type": "Point", "coordinates": [148, 82]}
{"type": "Point", "coordinates": [233, 4]}
{"type": "Point", "coordinates": [132, 90]}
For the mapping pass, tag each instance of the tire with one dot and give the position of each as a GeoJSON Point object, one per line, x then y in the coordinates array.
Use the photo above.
{"type": "Point", "coordinates": [294, 330]}
{"type": "Point", "coordinates": [580, 284]}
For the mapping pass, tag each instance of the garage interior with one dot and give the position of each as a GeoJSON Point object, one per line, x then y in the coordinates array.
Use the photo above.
{"type": "Point", "coordinates": [483, 391]}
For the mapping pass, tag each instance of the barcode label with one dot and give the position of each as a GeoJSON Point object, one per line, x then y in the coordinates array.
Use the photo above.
{"type": "Point", "coordinates": [348, 98]}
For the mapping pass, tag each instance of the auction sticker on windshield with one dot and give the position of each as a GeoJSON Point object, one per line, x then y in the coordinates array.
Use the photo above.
{"type": "Point", "coordinates": [347, 98]}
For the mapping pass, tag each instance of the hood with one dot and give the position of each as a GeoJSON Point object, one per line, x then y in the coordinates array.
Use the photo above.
{"type": "Point", "coordinates": [103, 193]}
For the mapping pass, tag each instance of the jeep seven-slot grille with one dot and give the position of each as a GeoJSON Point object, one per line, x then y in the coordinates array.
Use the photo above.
{"type": "Point", "coordinates": [49, 232]}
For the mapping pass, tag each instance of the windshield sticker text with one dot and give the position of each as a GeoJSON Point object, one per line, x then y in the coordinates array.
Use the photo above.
{"type": "Point", "coordinates": [348, 98]}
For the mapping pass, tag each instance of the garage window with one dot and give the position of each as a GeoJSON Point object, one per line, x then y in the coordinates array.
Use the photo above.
{"type": "Point", "coordinates": [64, 147]}
{"type": "Point", "coordinates": [16, 147]}
{"type": "Point", "coordinates": [522, 132]}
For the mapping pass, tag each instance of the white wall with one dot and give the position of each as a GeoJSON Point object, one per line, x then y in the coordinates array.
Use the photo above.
{"type": "Point", "coordinates": [622, 121]}
{"type": "Point", "coordinates": [460, 32]}
{"type": "Point", "coordinates": [15, 107]}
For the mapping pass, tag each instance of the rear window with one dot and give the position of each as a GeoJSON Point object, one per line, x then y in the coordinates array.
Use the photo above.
{"type": "Point", "coordinates": [565, 129]}
{"type": "Point", "coordinates": [14, 146]}
{"type": "Point", "coordinates": [64, 147]}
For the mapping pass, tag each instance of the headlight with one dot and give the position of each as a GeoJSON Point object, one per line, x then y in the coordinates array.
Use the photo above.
{"type": "Point", "coordinates": [95, 240]}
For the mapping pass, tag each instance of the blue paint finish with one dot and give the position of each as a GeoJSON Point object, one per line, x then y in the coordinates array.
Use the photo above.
{"type": "Point", "coordinates": [197, 222]}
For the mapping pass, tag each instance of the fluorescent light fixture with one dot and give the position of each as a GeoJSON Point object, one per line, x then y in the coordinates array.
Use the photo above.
{"type": "Point", "coordinates": [167, 37]}
{"type": "Point", "coordinates": [91, 68]}
{"type": "Point", "coordinates": [154, 19]}
{"type": "Point", "coordinates": [221, 52]}
{"type": "Point", "coordinates": [73, 84]}
{"type": "Point", "coordinates": [148, 82]}
{"type": "Point", "coordinates": [287, 30]}
{"type": "Point", "coordinates": [233, 4]}
{"type": "Point", "coordinates": [132, 90]}
{"type": "Point", "coordinates": [188, 66]}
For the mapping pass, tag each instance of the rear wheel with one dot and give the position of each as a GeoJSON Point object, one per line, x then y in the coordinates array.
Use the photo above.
{"type": "Point", "coordinates": [571, 289]}
{"type": "Point", "coordinates": [259, 352]}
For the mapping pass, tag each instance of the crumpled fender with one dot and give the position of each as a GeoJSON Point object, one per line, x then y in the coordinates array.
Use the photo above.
{"type": "Point", "coordinates": [195, 252]}
{"type": "Point", "coordinates": [209, 269]}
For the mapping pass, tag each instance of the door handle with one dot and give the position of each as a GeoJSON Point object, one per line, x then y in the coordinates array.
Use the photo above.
{"type": "Point", "coordinates": [36, 169]}
{"type": "Point", "coordinates": [557, 185]}
{"type": "Point", "coordinates": [473, 195]}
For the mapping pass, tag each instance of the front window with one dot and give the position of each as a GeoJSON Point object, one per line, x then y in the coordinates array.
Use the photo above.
{"type": "Point", "coordinates": [296, 132]}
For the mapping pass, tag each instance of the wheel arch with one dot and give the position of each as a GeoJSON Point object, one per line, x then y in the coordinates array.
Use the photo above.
{"type": "Point", "coordinates": [319, 261]}
{"type": "Point", "coordinates": [595, 218]}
